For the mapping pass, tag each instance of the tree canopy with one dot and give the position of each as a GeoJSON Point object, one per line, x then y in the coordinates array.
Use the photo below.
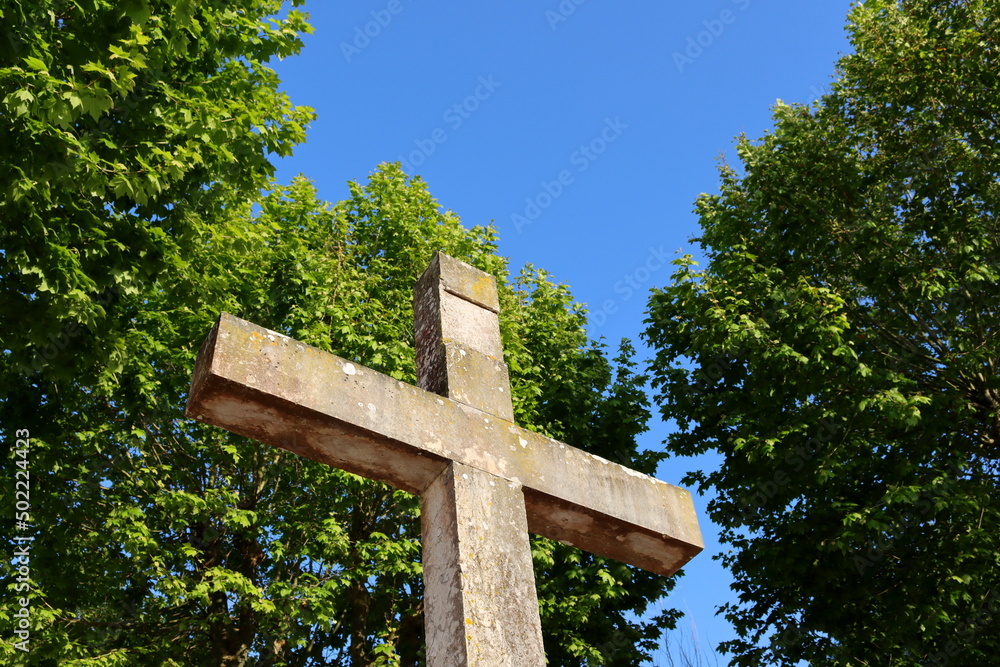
{"type": "Point", "coordinates": [162, 541]}
{"type": "Point", "coordinates": [126, 128]}
{"type": "Point", "coordinates": [840, 351]}
{"type": "Point", "coordinates": [136, 204]}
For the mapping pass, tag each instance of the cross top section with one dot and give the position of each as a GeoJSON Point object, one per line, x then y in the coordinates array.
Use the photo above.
{"type": "Point", "coordinates": [459, 353]}
{"type": "Point", "coordinates": [484, 482]}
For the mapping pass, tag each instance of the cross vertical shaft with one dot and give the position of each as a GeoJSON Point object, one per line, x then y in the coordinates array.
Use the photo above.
{"type": "Point", "coordinates": [480, 605]}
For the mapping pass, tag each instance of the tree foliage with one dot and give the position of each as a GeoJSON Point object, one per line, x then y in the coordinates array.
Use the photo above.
{"type": "Point", "coordinates": [126, 127]}
{"type": "Point", "coordinates": [840, 350]}
{"type": "Point", "coordinates": [163, 541]}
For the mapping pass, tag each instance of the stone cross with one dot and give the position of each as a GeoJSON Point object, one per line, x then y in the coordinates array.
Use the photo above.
{"type": "Point", "coordinates": [484, 482]}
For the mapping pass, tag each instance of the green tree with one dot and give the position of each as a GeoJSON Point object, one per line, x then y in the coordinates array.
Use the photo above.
{"type": "Point", "coordinates": [162, 541]}
{"type": "Point", "coordinates": [126, 129]}
{"type": "Point", "coordinates": [840, 351]}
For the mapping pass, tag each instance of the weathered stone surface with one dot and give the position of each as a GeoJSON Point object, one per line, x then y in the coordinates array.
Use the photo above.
{"type": "Point", "coordinates": [466, 281]}
{"type": "Point", "coordinates": [484, 482]}
{"type": "Point", "coordinates": [459, 354]}
{"type": "Point", "coordinates": [261, 384]}
{"type": "Point", "coordinates": [480, 606]}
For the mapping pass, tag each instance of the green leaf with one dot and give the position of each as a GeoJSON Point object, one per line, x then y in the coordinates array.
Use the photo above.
{"type": "Point", "coordinates": [36, 64]}
{"type": "Point", "coordinates": [853, 234]}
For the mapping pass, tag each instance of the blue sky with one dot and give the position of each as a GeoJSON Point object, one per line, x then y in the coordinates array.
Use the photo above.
{"type": "Point", "coordinates": [583, 129]}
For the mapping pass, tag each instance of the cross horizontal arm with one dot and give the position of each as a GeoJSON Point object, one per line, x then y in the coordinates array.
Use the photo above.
{"type": "Point", "coordinates": [266, 386]}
